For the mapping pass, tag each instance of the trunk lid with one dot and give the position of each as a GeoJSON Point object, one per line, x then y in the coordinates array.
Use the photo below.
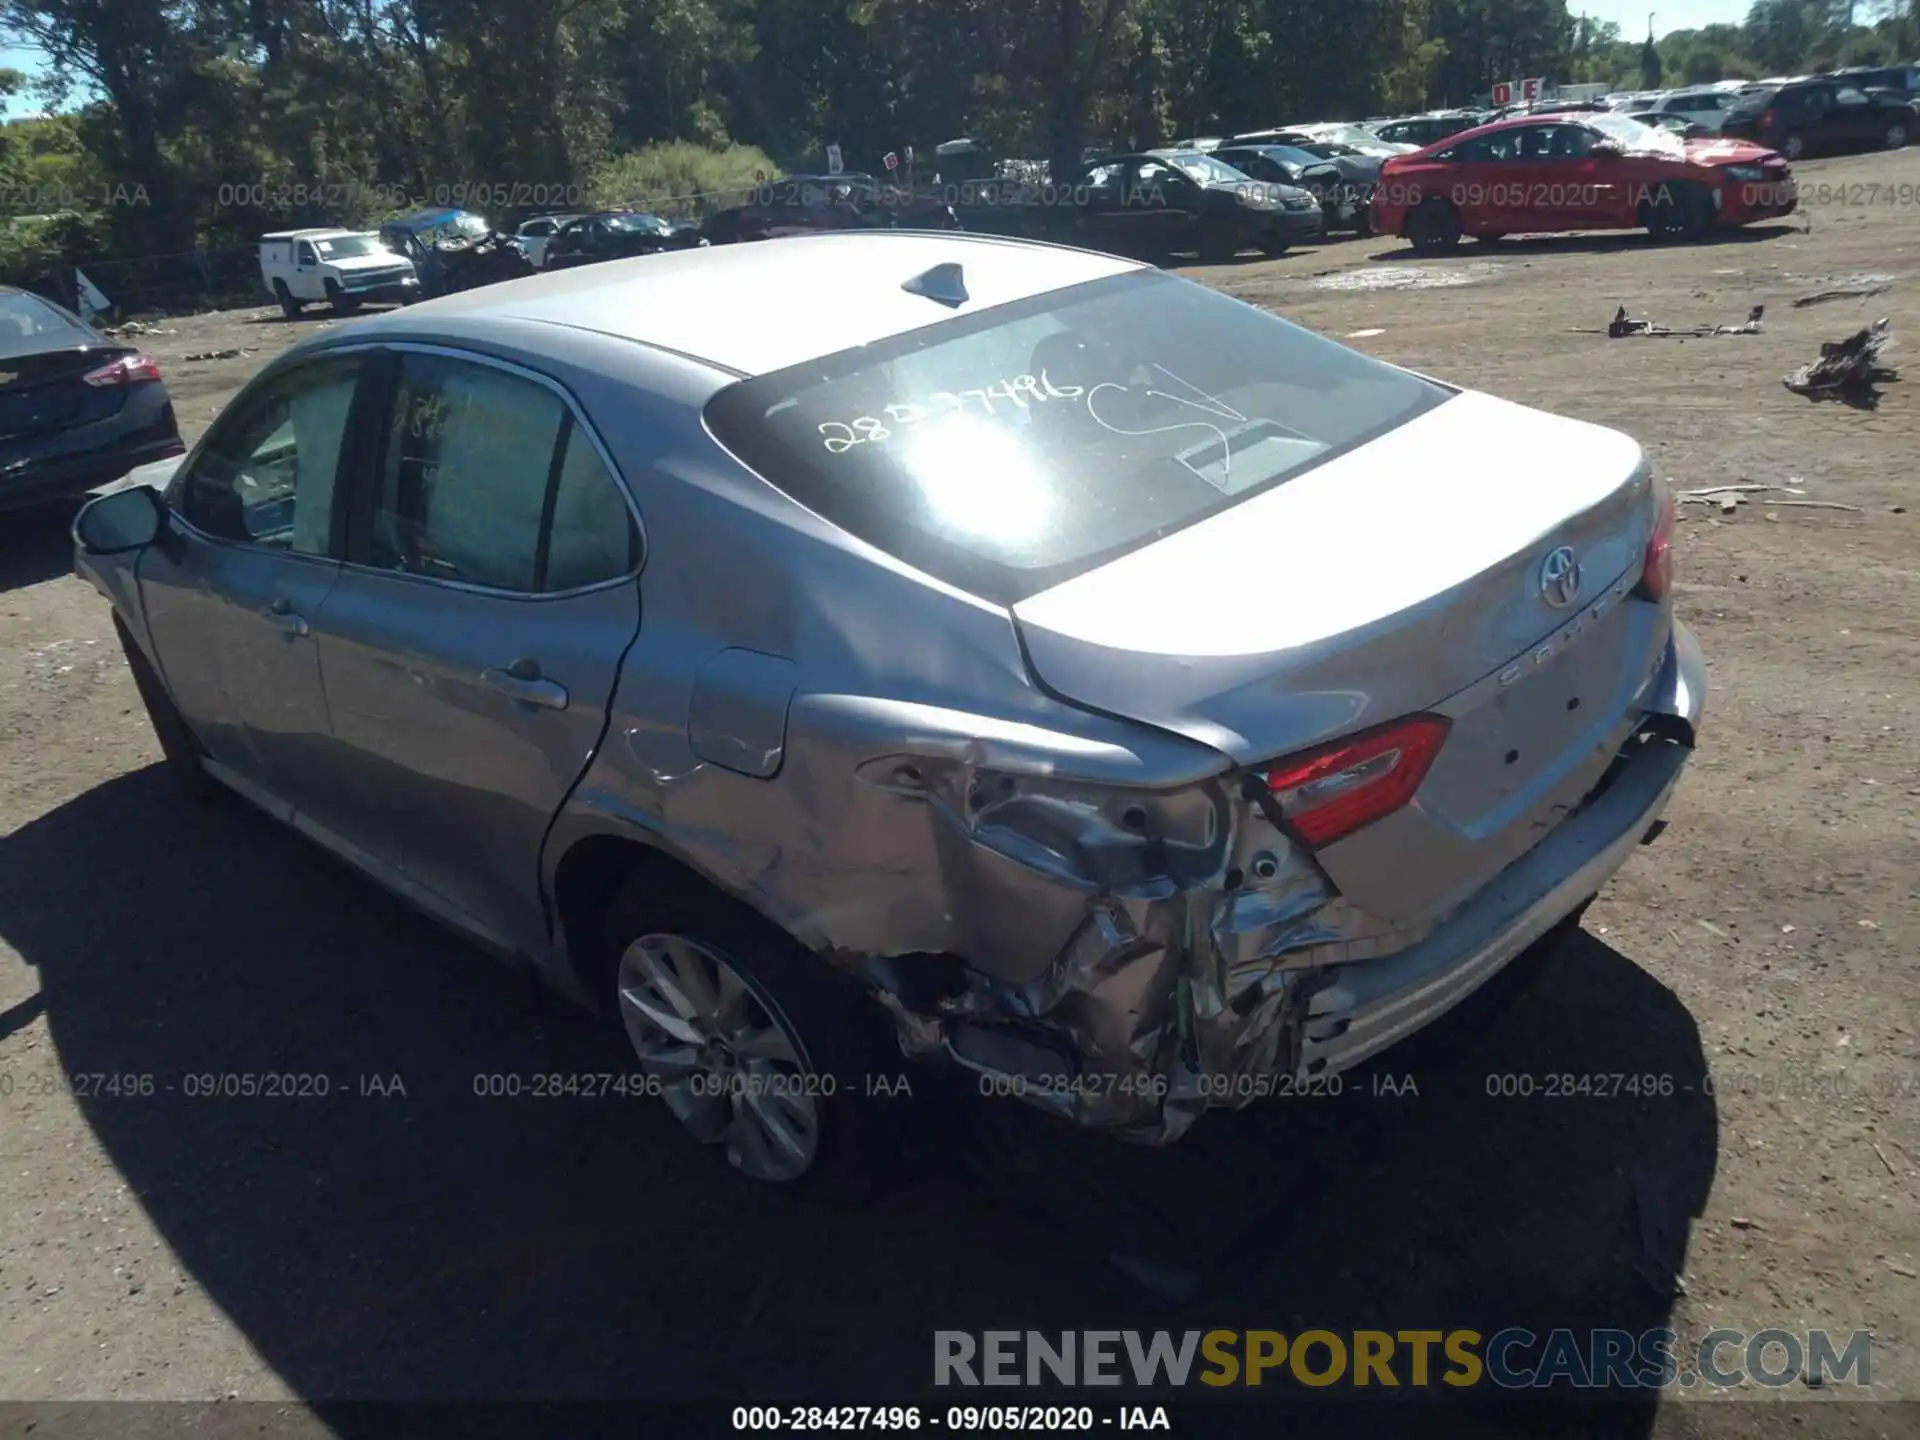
{"type": "Point", "coordinates": [1408, 575]}
{"type": "Point", "coordinates": [43, 392]}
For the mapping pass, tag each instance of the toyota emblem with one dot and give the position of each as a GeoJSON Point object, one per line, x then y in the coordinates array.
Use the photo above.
{"type": "Point", "coordinates": [1560, 577]}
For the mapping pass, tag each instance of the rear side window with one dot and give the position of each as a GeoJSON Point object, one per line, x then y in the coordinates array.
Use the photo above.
{"type": "Point", "coordinates": [486, 480]}
{"type": "Point", "coordinates": [1007, 451]}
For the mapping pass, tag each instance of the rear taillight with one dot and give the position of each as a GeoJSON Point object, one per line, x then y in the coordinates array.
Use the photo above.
{"type": "Point", "coordinates": [1656, 570]}
{"type": "Point", "coordinates": [127, 370]}
{"type": "Point", "coordinates": [1328, 793]}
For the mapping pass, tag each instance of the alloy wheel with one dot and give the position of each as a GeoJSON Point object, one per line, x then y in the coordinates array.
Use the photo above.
{"type": "Point", "coordinates": [729, 1068]}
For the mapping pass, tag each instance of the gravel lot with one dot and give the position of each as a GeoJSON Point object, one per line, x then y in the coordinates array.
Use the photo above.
{"type": "Point", "coordinates": [435, 1244]}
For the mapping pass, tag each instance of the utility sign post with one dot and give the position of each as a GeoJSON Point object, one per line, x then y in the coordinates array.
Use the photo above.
{"type": "Point", "coordinates": [834, 167]}
{"type": "Point", "coordinates": [1503, 93]}
{"type": "Point", "coordinates": [1531, 90]}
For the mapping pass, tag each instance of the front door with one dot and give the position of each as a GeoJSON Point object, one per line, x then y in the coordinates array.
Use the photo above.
{"type": "Point", "coordinates": [230, 592]}
{"type": "Point", "coordinates": [471, 645]}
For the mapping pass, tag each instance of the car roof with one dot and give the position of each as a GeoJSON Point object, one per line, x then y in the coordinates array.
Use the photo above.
{"type": "Point", "coordinates": [323, 232]}
{"type": "Point", "coordinates": [751, 309]}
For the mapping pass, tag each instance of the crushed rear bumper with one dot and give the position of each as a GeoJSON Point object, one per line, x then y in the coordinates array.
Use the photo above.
{"type": "Point", "coordinates": [1161, 1009]}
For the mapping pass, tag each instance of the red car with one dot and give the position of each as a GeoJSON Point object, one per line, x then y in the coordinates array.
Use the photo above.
{"type": "Point", "coordinates": [1577, 171]}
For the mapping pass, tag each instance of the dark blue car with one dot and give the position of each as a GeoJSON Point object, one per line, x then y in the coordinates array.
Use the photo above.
{"type": "Point", "coordinates": [76, 409]}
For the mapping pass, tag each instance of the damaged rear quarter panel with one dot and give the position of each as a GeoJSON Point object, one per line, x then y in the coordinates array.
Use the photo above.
{"type": "Point", "coordinates": [928, 801]}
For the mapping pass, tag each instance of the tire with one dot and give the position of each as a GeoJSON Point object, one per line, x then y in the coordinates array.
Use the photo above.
{"type": "Point", "coordinates": [1896, 136]}
{"type": "Point", "coordinates": [1491, 237]}
{"type": "Point", "coordinates": [1434, 227]}
{"type": "Point", "coordinates": [180, 748]}
{"type": "Point", "coordinates": [1219, 240]}
{"type": "Point", "coordinates": [289, 306]}
{"type": "Point", "coordinates": [1680, 214]}
{"type": "Point", "coordinates": [342, 303]}
{"type": "Point", "coordinates": [1274, 246]}
{"type": "Point", "coordinates": [1793, 145]}
{"type": "Point", "coordinates": [1363, 220]}
{"type": "Point", "coordinates": [784, 993]}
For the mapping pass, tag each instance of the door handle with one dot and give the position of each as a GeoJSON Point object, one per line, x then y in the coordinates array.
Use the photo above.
{"type": "Point", "coordinates": [523, 682]}
{"type": "Point", "coordinates": [281, 615]}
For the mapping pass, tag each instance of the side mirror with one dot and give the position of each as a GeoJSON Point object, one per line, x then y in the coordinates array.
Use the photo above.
{"type": "Point", "coordinates": [130, 519]}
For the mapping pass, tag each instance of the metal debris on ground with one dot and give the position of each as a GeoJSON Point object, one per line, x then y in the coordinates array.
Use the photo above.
{"type": "Point", "coordinates": [1708, 490]}
{"type": "Point", "coordinates": [1855, 287]}
{"type": "Point", "coordinates": [212, 355]}
{"type": "Point", "coordinates": [1847, 369]}
{"type": "Point", "coordinates": [1624, 326]}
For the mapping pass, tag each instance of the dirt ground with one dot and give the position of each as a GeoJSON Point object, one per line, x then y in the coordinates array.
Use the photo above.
{"type": "Point", "coordinates": [374, 1244]}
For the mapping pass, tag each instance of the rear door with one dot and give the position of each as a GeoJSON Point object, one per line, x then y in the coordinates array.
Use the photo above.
{"type": "Point", "coordinates": [1809, 109]}
{"type": "Point", "coordinates": [471, 647]}
{"type": "Point", "coordinates": [232, 591]}
{"type": "Point", "coordinates": [1855, 119]}
{"type": "Point", "coordinates": [1161, 206]}
{"type": "Point", "coordinates": [1097, 200]}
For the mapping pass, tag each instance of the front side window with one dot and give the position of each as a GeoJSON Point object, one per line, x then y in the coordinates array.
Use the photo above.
{"type": "Point", "coordinates": [306, 253]}
{"type": "Point", "coordinates": [267, 473]}
{"type": "Point", "coordinates": [1847, 95]}
{"type": "Point", "coordinates": [486, 480]}
{"type": "Point", "coordinates": [1007, 451]}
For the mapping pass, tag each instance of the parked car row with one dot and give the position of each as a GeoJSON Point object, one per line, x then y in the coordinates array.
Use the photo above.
{"type": "Point", "coordinates": [1215, 196]}
{"type": "Point", "coordinates": [1854, 108]}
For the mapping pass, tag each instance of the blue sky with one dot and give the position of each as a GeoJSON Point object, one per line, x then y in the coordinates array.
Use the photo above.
{"type": "Point", "coordinates": [1629, 15]}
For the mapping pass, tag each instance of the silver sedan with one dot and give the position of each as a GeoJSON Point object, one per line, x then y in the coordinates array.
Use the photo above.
{"type": "Point", "coordinates": [891, 644]}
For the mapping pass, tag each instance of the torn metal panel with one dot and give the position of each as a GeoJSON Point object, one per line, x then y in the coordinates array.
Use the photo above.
{"type": "Point", "coordinates": [1848, 369]}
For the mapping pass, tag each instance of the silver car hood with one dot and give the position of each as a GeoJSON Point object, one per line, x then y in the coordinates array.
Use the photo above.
{"type": "Point", "coordinates": [1374, 586]}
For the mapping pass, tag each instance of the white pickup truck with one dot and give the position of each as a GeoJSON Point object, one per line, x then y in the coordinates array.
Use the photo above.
{"type": "Point", "coordinates": [342, 268]}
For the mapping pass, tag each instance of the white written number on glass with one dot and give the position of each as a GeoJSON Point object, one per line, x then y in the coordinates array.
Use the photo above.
{"type": "Point", "coordinates": [1022, 391]}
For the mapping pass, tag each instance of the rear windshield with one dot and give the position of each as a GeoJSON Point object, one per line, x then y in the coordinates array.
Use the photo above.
{"type": "Point", "coordinates": [22, 317]}
{"type": "Point", "coordinates": [1008, 451]}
